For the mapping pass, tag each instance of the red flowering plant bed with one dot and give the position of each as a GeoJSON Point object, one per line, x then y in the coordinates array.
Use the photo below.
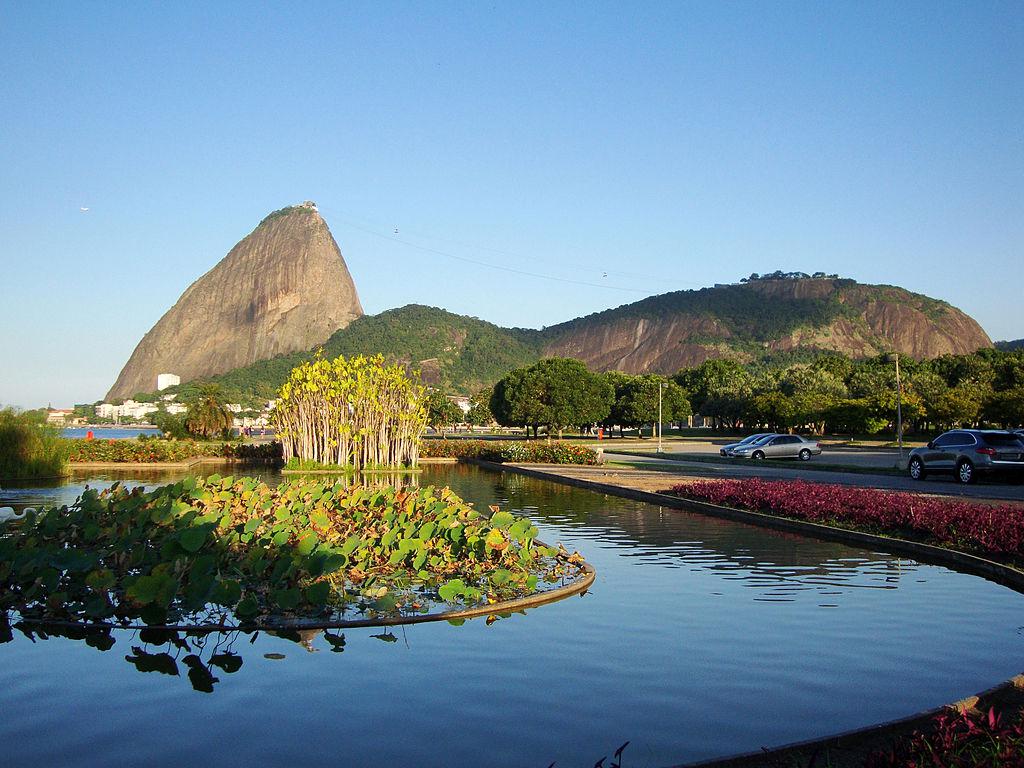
{"type": "Point", "coordinates": [993, 531]}
{"type": "Point", "coordinates": [958, 740]}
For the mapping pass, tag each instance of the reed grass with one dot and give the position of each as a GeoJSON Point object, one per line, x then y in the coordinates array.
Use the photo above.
{"type": "Point", "coordinates": [29, 450]}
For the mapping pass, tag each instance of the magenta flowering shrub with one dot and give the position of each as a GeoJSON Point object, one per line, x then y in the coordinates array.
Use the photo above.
{"type": "Point", "coordinates": [509, 450]}
{"type": "Point", "coordinates": [994, 530]}
{"type": "Point", "coordinates": [957, 740]}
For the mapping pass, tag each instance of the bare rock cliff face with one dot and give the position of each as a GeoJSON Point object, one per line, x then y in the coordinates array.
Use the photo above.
{"type": "Point", "coordinates": [284, 288]}
{"type": "Point", "coordinates": [864, 320]}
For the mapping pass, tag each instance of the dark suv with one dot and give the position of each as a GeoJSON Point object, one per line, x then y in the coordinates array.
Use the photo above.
{"type": "Point", "coordinates": [968, 453]}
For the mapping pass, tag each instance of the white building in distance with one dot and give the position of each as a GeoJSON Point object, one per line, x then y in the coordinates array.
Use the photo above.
{"type": "Point", "coordinates": [165, 380]}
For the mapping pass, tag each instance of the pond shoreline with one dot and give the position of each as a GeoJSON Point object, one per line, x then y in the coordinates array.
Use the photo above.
{"type": "Point", "coordinates": [847, 749]}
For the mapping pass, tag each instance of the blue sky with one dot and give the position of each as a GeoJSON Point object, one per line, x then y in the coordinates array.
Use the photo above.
{"type": "Point", "coordinates": [670, 146]}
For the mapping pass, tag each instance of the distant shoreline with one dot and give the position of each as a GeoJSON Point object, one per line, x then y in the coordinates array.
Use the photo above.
{"type": "Point", "coordinates": [112, 426]}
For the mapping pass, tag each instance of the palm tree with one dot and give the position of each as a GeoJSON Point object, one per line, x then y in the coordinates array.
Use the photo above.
{"type": "Point", "coordinates": [208, 416]}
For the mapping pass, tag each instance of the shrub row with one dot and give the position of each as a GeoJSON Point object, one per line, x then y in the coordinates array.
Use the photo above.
{"type": "Point", "coordinates": [971, 527]}
{"type": "Point", "coordinates": [154, 450]}
{"type": "Point", "coordinates": [510, 450]}
{"type": "Point", "coordinates": [28, 449]}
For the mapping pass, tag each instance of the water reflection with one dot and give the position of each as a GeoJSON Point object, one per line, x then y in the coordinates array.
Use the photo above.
{"type": "Point", "coordinates": [201, 655]}
{"type": "Point", "coordinates": [60, 491]}
{"type": "Point", "coordinates": [776, 564]}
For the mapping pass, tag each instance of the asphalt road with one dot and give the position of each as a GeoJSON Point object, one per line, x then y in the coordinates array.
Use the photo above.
{"type": "Point", "coordinates": [867, 458]}
{"type": "Point", "coordinates": [791, 470]}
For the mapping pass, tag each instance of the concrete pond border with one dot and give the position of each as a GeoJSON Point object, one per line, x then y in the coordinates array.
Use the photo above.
{"type": "Point", "coordinates": [790, 754]}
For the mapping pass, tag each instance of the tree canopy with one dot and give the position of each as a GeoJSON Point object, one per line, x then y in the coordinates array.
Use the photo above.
{"type": "Point", "coordinates": [553, 393]}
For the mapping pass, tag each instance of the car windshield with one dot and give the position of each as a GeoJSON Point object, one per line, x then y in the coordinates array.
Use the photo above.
{"type": "Point", "coordinates": [752, 438]}
{"type": "Point", "coordinates": [762, 439]}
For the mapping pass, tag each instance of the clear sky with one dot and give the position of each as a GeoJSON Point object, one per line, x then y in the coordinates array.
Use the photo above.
{"type": "Point", "coordinates": [639, 147]}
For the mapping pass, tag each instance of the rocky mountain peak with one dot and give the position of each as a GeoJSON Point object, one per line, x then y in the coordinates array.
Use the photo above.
{"type": "Point", "coordinates": [283, 288]}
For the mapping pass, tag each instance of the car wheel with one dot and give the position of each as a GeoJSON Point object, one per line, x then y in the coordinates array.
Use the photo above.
{"type": "Point", "coordinates": [916, 469]}
{"type": "Point", "coordinates": [965, 472]}
{"type": "Point", "coordinates": [758, 455]}
{"type": "Point", "coordinates": [805, 455]}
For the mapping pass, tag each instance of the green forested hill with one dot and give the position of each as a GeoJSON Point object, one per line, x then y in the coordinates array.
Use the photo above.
{"type": "Point", "coordinates": [1010, 345]}
{"type": "Point", "coordinates": [456, 352]}
{"type": "Point", "coordinates": [739, 310]}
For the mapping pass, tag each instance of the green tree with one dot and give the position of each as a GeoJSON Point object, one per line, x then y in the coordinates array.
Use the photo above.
{"type": "Point", "coordinates": [442, 413]}
{"type": "Point", "coordinates": [479, 414]}
{"type": "Point", "coordinates": [208, 415]}
{"type": "Point", "coordinates": [838, 365]}
{"type": "Point", "coordinates": [813, 392]}
{"type": "Point", "coordinates": [959, 405]}
{"type": "Point", "coordinates": [1005, 408]}
{"type": "Point", "coordinates": [964, 369]}
{"type": "Point", "coordinates": [1008, 369]}
{"type": "Point", "coordinates": [719, 388]}
{"type": "Point", "coordinates": [172, 425]}
{"type": "Point", "coordinates": [637, 405]}
{"type": "Point", "coordinates": [555, 393]}
{"type": "Point", "coordinates": [619, 382]}
{"type": "Point", "coordinates": [930, 388]}
{"type": "Point", "coordinates": [857, 416]}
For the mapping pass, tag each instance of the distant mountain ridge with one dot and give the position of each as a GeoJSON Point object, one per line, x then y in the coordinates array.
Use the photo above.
{"type": "Point", "coordinates": [747, 322]}
{"type": "Point", "coordinates": [763, 317]}
{"type": "Point", "coordinates": [1010, 345]}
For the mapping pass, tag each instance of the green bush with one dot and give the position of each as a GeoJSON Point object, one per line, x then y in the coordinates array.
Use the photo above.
{"type": "Point", "coordinates": [156, 450]}
{"type": "Point", "coordinates": [509, 450]}
{"type": "Point", "coordinates": [28, 449]}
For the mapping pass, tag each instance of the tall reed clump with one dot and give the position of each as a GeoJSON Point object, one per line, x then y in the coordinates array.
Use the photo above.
{"type": "Point", "coordinates": [355, 412]}
{"type": "Point", "coordinates": [29, 449]}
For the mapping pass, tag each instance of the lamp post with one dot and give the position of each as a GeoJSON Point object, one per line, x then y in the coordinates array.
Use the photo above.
{"type": "Point", "coordinates": [661, 386]}
{"type": "Point", "coordinates": [895, 357]}
{"type": "Point", "coordinates": [899, 407]}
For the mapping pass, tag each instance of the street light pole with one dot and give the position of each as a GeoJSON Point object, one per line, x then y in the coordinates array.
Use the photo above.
{"type": "Point", "coordinates": [899, 408]}
{"type": "Point", "coordinates": [661, 386]}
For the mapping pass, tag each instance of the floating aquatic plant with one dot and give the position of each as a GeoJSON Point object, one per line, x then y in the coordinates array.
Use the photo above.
{"type": "Point", "coordinates": [218, 550]}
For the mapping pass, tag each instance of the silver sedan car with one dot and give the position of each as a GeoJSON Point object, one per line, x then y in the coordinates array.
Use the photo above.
{"type": "Point", "coordinates": [726, 450]}
{"type": "Point", "coordinates": [779, 447]}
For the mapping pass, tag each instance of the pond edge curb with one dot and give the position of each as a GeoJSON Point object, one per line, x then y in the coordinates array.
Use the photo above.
{"type": "Point", "coordinates": [978, 566]}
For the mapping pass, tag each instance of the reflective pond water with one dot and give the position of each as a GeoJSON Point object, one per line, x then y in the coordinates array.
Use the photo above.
{"type": "Point", "coordinates": [700, 638]}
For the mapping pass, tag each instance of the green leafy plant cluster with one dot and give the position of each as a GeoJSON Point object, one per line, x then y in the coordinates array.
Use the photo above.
{"type": "Point", "coordinates": [356, 412]}
{"type": "Point", "coordinates": [157, 451]}
{"type": "Point", "coordinates": [510, 450]}
{"type": "Point", "coordinates": [29, 449]}
{"type": "Point", "coordinates": [201, 550]}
